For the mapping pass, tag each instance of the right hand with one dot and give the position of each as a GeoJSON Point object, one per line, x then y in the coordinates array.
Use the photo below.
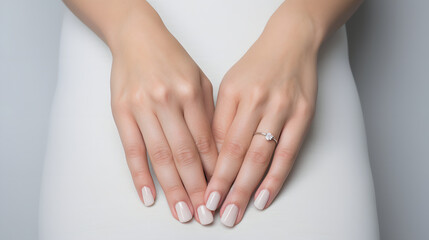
{"type": "Point", "coordinates": [162, 103]}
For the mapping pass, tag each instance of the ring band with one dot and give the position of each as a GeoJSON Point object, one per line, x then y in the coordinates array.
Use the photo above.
{"type": "Point", "coordinates": [268, 136]}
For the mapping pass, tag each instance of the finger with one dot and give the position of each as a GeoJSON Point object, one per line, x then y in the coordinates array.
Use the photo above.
{"type": "Point", "coordinates": [199, 127]}
{"type": "Point", "coordinates": [164, 167]}
{"type": "Point", "coordinates": [187, 160]}
{"type": "Point", "coordinates": [253, 168]}
{"type": "Point", "coordinates": [231, 155]}
{"type": "Point", "coordinates": [225, 111]}
{"type": "Point", "coordinates": [285, 154]}
{"type": "Point", "coordinates": [135, 153]}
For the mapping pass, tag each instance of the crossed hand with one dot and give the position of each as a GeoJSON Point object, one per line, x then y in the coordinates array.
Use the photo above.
{"type": "Point", "coordinates": [208, 158]}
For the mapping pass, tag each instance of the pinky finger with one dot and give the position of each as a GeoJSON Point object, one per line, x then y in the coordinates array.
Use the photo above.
{"type": "Point", "coordinates": [135, 152]}
{"type": "Point", "coordinates": [283, 160]}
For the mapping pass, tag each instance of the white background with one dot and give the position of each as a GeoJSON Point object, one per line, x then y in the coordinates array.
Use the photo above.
{"type": "Point", "coordinates": [389, 56]}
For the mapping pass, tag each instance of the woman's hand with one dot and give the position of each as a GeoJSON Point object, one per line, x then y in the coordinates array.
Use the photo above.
{"type": "Point", "coordinates": [163, 104]}
{"type": "Point", "coordinates": [271, 89]}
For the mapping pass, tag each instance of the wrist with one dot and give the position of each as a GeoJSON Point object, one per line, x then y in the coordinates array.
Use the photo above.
{"type": "Point", "coordinates": [134, 30]}
{"type": "Point", "coordinates": [292, 30]}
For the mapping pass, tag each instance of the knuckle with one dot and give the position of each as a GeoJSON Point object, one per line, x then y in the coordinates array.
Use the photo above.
{"type": "Point", "coordinates": [227, 91]}
{"type": "Point", "coordinates": [135, 98]}
{"type": "Point", "coordinates": [218, 133]}
{"type": "Point", "coordinates": [188, 91]}
{"type": "Point", "coordinates": [196, 192]}
{"type": "Point", "coordinates": [285, 153]}
{"type": "Point", "coordinates": [173, 189]}
{"type": "Point", "coordinates": [139, 174]}
{"type": "Point", "coordinates": [257, 93]}
{"type": "Point", "coordinates": [133, 152]}
{"type": "Point", "coordinates": [278, 95]}
{"type": "Point", "coordinates": [274, 179]}
{"type": "Point", "coordinates": [204, 144]}
{"type": "Point", "coordinates": [258, 157]}
{"type": "Point", "coordinates": [221, 180]}
{"type": "Point", "coordinates": [241, 191]}
{"type": "Point", "coordinates": [160, 93]}
{"type": "Point", "coordinates": [161, 156]}
{"type": "Point", "coordinates": [234, 149]}
{"type": "Point", "coordinates": [185, 156]}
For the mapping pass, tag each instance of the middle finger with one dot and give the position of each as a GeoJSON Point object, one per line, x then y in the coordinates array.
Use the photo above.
{"type": "Point", "coordinates": [187, 159]}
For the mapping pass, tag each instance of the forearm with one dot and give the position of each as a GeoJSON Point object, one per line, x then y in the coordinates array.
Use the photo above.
{"type": "Point", "coordinates": [308, 22]}
{"type": "Point", "coordinates": [113, 19]}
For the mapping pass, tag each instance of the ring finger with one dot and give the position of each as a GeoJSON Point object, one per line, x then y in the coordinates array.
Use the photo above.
{"type": "Point", "coordinates": [284, 157]}
{"type": "Point", "coordinates": [251, 172]}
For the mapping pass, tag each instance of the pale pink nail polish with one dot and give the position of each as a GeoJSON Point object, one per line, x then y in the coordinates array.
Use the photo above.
{"type": "Point", "coordinates": [205, 215]}
{"type": "Point", "coordinates": [213, 201]}
{"type": "Point", "coordinates": [262, 199]}
{"type": "Point", "coordinates": [183, 212]}
{"type": "Point", "coordinates": [147, 196]}
{"type": "Point", "coordinates": [229, 215]}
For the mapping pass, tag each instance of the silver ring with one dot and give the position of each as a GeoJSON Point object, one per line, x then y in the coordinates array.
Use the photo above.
{"type": "Point", "coordinates": [268, 136]}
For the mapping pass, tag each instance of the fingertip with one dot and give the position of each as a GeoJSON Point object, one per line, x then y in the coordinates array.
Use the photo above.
{"type": "Point", "coordinates": [205, 216]}
{"type": "Point", "coordinates": [213, 200]}
{"type": "Point", "coordinates": [183, 212]}
{"type": "Point", "coordinates": [261, 199]}
{"type": "Point", "coordinates": [229, 215]}
{"type": "Point", "coordinates": [148, 196]}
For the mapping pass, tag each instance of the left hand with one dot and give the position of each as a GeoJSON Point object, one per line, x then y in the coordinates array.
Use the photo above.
{"type": "Point", "coordinates": [272, 88]}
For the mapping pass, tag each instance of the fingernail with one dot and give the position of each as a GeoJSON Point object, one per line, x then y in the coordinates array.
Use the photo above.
{"type": "Point", "coordinates": [213, 201]}
{"type": "Point", "coordinates": [229, 215]}
{"type": "Point", "coordinates": [262, 199]}
{"type": "Point", "coordinates": [147, 196]}
{"type": "Point", "coordinates": [183, 212]}
{"type": "Point", "coordinates": [206, 217]}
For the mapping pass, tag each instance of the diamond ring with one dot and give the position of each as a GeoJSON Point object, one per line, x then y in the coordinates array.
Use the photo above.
{"type": "Point", "coordinates": [268, 136]}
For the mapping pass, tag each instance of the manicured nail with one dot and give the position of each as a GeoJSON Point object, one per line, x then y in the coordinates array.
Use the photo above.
{"type": "Point", "coordinates": [183, 212]}
{"type": "Point", "coordinates": [147, 196]}
{"type": "Point", "coordinates": [229, 215]}
{"type": "Point", "coordinates": [262, 199]}
{"type": "Point", "coordinates": [213, 201]}
{"type": "Point", "coordinates": [205, 215]}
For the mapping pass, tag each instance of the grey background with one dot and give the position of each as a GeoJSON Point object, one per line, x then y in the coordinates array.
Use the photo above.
{"type": "Point", "coordinates": [389, 58]}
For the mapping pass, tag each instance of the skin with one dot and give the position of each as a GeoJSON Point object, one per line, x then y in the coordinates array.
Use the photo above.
{"type": "Point", "coordinates": [161, 101]}
{"type": "Point", "coordinates": [163, 106]}
{"type": "Point", "coordinates": [272, 88]}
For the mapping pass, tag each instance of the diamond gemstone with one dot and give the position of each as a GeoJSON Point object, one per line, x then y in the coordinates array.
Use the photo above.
{"type": "Point", "coordinates": [269, 136]}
